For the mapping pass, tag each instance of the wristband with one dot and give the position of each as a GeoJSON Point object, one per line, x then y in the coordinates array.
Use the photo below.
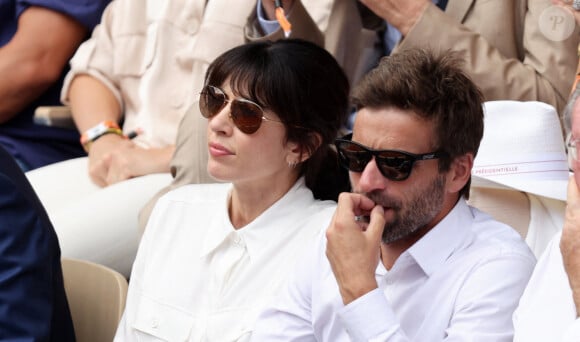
{"type": "Point", "coordinates": [94, 133]}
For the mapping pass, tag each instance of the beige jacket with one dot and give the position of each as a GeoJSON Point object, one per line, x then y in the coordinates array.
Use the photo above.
{"type": "Point", "coordinates": [506, 53]}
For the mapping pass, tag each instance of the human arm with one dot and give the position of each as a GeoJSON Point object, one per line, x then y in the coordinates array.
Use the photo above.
{"type": "Point", "coordinates": [509, 57]}
{"type": "Point", "coordinates": [103, 75]}
{"type": "Point", "coordinates": [29, 255]}
{"type": "Point", "coordinates": [353, 250]}
{"type": "Point", "coordinates": [35, 57]}
{"type": "Point", "coordinates": [112, 158]}
{"type": "Point", "coordinates": [570, 240]}
{"type": "Point", "coordinates": [401, 14]}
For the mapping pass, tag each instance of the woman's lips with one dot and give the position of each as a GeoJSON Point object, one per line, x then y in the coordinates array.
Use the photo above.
{"type": "Point", "coordinates": [217, 150]}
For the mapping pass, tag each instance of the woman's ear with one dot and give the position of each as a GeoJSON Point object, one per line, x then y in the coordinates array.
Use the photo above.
{"type": "Point", "coordinates": [459, 173]}
{"type": "Point", "coordinates": [297, 153]}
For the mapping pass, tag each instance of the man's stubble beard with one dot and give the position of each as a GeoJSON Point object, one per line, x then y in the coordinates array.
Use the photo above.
{"type": "Point", "coordinates": [413, 215]}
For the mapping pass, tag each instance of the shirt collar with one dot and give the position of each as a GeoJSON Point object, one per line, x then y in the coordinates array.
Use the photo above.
{"type": "Point", "coordinates": [269, 225]}
{"type": "Point", "coordinates": [433, 249]}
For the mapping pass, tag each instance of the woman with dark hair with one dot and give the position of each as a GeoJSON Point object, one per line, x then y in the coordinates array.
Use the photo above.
{"type": "Point", "coordinates": [214, 254]}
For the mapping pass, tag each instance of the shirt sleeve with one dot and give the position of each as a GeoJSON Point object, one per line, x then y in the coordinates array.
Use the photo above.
{"type": "Point", "coordinates": [88, 13]}
{"type": "Point", "coordinates": [370, 318]}
{"type": "Point", "coordinates": [97, 55]}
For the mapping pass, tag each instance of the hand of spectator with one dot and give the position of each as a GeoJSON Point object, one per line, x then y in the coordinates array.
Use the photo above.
{"type": "Point", "coordinates": [568, 4]}
{"type": "Point", "coordinates": [570, 242]}
{"type": "Point", "coordinates": [402, 14]}
{"type": "Point", "coordinates": [113, 159]}
{"type": "Point", "coordinates": [353, 248]}
{"type": "Point", "coordinates": [270, 8]}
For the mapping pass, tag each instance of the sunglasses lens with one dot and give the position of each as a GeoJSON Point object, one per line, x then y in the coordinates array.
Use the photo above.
{"type": "Point", "coordinates": [247, 116]}
{"type": "Point", "coordinates": [211, 101]}
{"type": "Point", "coordinates": [394, 165]}
{"type": "Point", "coordinates": [352, 156]}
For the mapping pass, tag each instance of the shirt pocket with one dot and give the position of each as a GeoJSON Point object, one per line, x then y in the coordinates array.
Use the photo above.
{"type": "Point", "coordinates": [156, 321]}
{"type": "Point", "coordinates": [134, 53]}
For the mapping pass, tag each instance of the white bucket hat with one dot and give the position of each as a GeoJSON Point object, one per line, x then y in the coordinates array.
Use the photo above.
{"type": "Point", "coordinates": [523, 149]}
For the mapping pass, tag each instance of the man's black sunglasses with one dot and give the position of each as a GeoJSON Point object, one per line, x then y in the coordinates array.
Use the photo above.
{"type": "Point", "coordinates": [393, 164]}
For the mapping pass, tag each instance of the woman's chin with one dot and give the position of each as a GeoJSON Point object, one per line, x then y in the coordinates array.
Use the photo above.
{"type": "Point", "coordinates": [217, 174]}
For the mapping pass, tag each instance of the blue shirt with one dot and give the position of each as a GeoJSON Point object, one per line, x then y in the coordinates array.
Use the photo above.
{"type": "Point", "coordinates": [38, 145]}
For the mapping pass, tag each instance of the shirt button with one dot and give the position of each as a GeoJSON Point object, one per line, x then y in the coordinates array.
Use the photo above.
{"type": "Point", "coordinates": [154, 323]}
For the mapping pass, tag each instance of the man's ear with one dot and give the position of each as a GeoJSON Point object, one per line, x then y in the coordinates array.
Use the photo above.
{"type": "Point", "coordinates": [297, 153]}
{"type": "Point", "coordinates": [459, 172]}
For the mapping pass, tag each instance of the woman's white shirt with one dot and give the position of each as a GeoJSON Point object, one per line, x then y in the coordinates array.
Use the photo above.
{"type": "Point", "coordinates": [196, 278]}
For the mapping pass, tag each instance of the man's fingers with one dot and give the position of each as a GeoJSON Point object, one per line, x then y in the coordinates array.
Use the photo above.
{"type": "Point", "coordinates": [354, 203]}
{"type": "Point", "coordinates": [377, 223]}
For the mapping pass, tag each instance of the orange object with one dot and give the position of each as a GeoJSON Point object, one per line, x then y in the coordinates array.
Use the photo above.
{"type": "Point", "coordinates": [284, 23]}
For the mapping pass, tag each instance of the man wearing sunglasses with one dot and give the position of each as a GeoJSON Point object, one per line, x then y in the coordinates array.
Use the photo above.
{"type": "Point", "coordinates": [405, 258]}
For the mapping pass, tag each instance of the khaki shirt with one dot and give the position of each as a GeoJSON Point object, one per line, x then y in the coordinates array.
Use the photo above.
{"type": "Point", "coordinates": [153, 56]}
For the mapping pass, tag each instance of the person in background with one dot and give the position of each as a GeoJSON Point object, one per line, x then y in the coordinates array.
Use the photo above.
{"type": "Point", "coordinates": [405, 258]}
{"type": "Point", "coordinates": [145, 72]}
{"type": "Point", "coordinates": [213, 255]}
{"type": "Point", "coordinates": [521, 55]}
{"type": "Point", "coordinates": [550, 306]}
{"type": "Point", "coordinates": [509, 58]}
{"type": "Point", "coordinates": [37, 39]}
{"type": "Point", "coordinates": [309, 19]}
{"type": "Point", "coordinates": [33, 304]}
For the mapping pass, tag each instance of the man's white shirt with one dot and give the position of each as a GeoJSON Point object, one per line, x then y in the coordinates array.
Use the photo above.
{"type": "Point", "coordinates": [460, 282]}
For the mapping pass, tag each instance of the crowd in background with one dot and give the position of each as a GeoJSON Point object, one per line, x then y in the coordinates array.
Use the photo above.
{"type": "Point", "coordinates": [160, 91]}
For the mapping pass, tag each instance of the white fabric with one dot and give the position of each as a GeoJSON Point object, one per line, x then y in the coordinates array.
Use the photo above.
{"type": "Point", "coordinates": [460, 282]}
{"type": "Point", "coordinates": [546, 311]}
{"type": "Point", "coordinates": [93, 223]}
{"type": "Point", "coordinates": [546, 220]}
{"type": "Point", "coordinates": [197, 278]}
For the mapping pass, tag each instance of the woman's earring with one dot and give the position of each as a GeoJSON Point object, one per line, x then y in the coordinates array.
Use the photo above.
{"type": "Point", "coordinates": [292, 164]}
